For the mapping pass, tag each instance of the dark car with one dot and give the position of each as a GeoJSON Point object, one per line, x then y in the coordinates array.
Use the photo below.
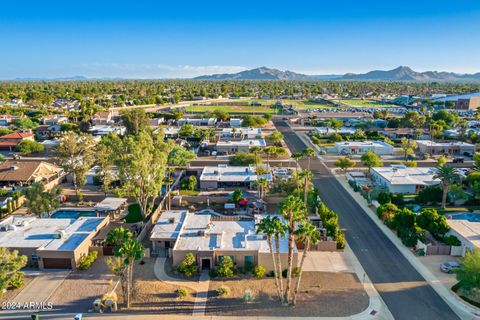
{"type": "Point", "coordinates": [458, 160]}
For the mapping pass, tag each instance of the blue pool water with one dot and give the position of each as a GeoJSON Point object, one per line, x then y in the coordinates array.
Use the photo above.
{"type": "Point", "coordinates": [472, 217]}
{"type": "Point", "coordinates": [71, 214]}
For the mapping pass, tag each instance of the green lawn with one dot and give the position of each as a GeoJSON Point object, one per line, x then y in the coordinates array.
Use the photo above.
{"type": "Point", "coordinates": [364, 103]}
{"type": "Point", "coordinates": [134, 215]}
{"type": "Point", "coordinates": [233, 109]}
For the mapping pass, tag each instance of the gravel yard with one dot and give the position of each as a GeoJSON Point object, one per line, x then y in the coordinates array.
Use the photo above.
{"type": "Point", "coordinates": [322, 294]}
{"type": "Point", "coordinates": [10, 294]}
{"type": "Point", "coordinates": [151, 294]}
{"type": "Point", "coordinates": [81, 288]}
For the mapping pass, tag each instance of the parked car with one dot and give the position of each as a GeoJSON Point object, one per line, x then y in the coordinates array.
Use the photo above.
{"type": "Point", "coordinates": [468, 154]}
{"type": "Point", "coordinates": [449, 266]}
{"type": "Point", "coordinates": [458, 160]}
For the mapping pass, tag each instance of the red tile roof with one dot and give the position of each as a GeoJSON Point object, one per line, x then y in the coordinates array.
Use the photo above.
{"type": "Point", "coordinates": [17, 135]}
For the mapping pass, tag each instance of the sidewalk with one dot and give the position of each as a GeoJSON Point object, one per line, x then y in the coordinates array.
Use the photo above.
{"type": "Point", "coordinates": [461, 309]}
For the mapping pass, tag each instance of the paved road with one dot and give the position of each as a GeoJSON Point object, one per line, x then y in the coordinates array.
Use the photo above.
{"type": "Point", "coordinates": [406, 293]}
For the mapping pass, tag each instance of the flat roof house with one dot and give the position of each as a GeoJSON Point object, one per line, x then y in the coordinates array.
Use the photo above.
{"type": "Point", "coordinates": [361, 147]}
{"type": "Point", "coordinates": [401, 179]}
{"type": "Point", "coordinates": [456, 147]}
{"type": "Point", "coordinates": [198, 122]}
{"type": "Point", "coordinates": [467, 232]}
{"type": "Point", "coordinates": [241, 133]}
{"type": "Point", "coordinates": [53, 243]}
{"type": "Point", "coordinates": [232, 147]}
{"type": "Point", "coordinates": [224, 176]}
{"type": "Point", "coordinates": [210, 239]}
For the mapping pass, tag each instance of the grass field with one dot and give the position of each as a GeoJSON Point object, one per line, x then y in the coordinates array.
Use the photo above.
{"type": "Point", "coordinates": [233, 109]}
{"type": "Point", "coordinates": [364, 103]}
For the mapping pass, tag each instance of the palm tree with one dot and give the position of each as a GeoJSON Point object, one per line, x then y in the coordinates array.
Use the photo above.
{"type": "Point", "coordinates": [280, 230]}
{"type": "Point", "coordinates": [307, 176]}
{"type": "Point", "coordinates": [255, 150]}
{"type": "Point", "coordinates": [308, 234]}
{"type": "Point", "coordinates": [262, 185]}
{"type": "Point", "coordinates": [297, 156]}
{"type": "Point", "coordinates": [131, 250]}
{"type": "Point", "coordinates": [293, 210]}
{"type": "Point", "coordinates": [448, 175]}
{"type": "Point", "coordinates": [308, 153]}
{"type": "Point", "coordinates": [266, 227]}
{"type": "Point", "coordinates": [117, 236]}
{"type": "Point", "coordinates": [269, 151]}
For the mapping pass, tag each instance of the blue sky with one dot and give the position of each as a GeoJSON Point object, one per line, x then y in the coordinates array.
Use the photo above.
{"type": "Point", "coordinates": [153, 39]}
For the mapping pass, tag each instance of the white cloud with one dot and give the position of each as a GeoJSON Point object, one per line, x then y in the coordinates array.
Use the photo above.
{"type": "Point", "coordinates": [141, 70]}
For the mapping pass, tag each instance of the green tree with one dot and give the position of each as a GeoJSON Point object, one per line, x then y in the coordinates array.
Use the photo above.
{"type": "Point", "coordinates": [135, 120]}
{"type": "Point", "coordinates": [115, 237]}
{"type": "Point", "coordinates": [186, 131]}
{"type": "Point", "coordinates": [408, 147]}
{"type": "Point", "coordinates": [142, 162]}
{"type": "Point", "coordinates": [294, 211]}
{"type": "Point", "coordinates": [266, 227]}
{"type": "Point", "coordinates": [344, 163]}
{"type": "Point", "coordinates": [129, 251]}
{"type": "Point", "coordinates": [441, 161]}
{"type": "Point", "coordinates": [412, 119]}
{"type": "Point", "coordinates": [29, 147]}
{"type": "Point", "coordinates": [189, 184]}
{"type": "Point", "coordinates": [469, 272]}
{"type": "Point", "coordinates": [306, 176]}
{"type": "Point", "coordinates": [307, 234]}
{"type": "Point", "coordinates": [262, 185]}
{"type": "Point", "coordinates": [180, 157]}
{"type": "Point", "coordinates": [244, 159]}
{"type": "Point", "coordinates": [226, 268]}
{"type": "Point", "coordinates": [275, 138]}
{"type": "Point", "coordinates": [25, 123]}
{"type": "Point", "coordinates": [220, 114]}
{"type": "Point", "coordinates": [10, 265]}
{"type": "Point", "coordinates": [104, 161]}
{"type": "Point", "coordinates": [39, 201]}
{"type": "Point", "coordinates": [370, 159]}
{"type": "Point", "coordinates": [430, 220]}
{"type": "Point", "coordinates": [387, 211]}
{"type": "Point", "coordinates": [75, 153]}
{"type": "Point", "coordinates": [448, 176]}
{"type": "Point", "coordinates": [237, 195]}
{"type": "Point", "coordinates": [308, 153]}
{"type": "Point", "coordinates": [188, 267]}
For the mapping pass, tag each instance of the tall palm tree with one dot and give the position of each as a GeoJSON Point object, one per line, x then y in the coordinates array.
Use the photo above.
{"type": "Point", "coordinates": [308, 153]}
{"type": "Point", "coordinates": [269, 151]}
{"type": "Point", "coordinates": [256, 150]}
{"type": "Point", "coordinates": [130, 250]}
{"type": "Point", "coordinates": [266, 227]}
{"type": "Point", "coordinates": [280, 230]}
{"type": "Point", "coordinates": [308, 234]}
{"type": "Point", "coordinates": [297, 156]}
{"type": "Point", "coordinates": [448, 175]}
{"type": "Point", "coordinates": [307, 176]}
{"type": "Point", "coordinates": [262, 185]}
{"type": "Point", "coordinates": [293, 210]}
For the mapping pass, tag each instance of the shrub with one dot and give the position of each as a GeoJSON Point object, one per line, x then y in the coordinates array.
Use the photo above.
{"type": "Point", "coordinates": [86, 262]}
{"type": "Point", "coordinates": [188, 267]}
{"type": "Point", "coordinates": [17, 280]}
{"type": "Point", "coordinates": [296, 272]}
{"type": "Point", "coordinates": [223, 291]}
{"type": "Point", "coordinates": [429, 195]}
{"type": "Point", "coordinates": [341, 242]}
{"type": "Point", "coordinates": [248, 296]}
{"type": "Point", "coordinates": [430, 220]}
{"type": "Point", "coordinates": [226, 268]}
{"type": "Point", "coordinates": [387, 211]}
{"type": "Point", "coordinates": [244, 159]}
{"type": "Point", "coordinates": [451, 240]}
{"type": "Point", "coordinates": [384, 197]}
{"type": "Point", "coordinates": [259, 272]}
{"type": "Point", "coordinates": [181, 293]}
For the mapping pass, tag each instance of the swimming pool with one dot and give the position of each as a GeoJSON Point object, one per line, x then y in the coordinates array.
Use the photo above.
{"type": "Point", "coordinates": [472, 217]}
{"type": "Point", "coordinates": [75, 214]}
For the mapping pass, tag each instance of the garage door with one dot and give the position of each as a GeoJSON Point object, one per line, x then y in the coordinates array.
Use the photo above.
{"type": "Point", "coordinates": [51, 263]}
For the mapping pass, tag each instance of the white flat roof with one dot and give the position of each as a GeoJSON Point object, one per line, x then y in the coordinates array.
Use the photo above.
{"type": "Point", "coordinates": [243, 143]}
{"type": "Point", "coordinates": [407, 176]}
{"type": "Point", "coordinates": [169, 225]}
{"type": "Point", "coordinates": [468, 230]}
{"type": "Point", "coordinates": [444, 144]}
{"type": "Point", "coordinates": [201, 233]}
{"type": "Point", "coordinates": [110, 203]}
{"type": "Point", "coordinates": [363, 144]}
{"type": "Point", "coordinates": [243, 130]}
{"type": "Point", "coordinates": [32, 232]}
{"type": "Point", "coordinates": [223, 173]}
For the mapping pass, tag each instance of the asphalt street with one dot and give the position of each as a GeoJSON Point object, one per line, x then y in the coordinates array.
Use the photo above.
{"type": "Point", "coordinates": [405, 292]}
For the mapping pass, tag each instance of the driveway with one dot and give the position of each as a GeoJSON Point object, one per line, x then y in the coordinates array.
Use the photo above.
{"type": "Point", "coordinates": [324, 261]}
{"type": "Point", "coordinates": [42, 287]}
{"type": "Point", "coordinates": [433, 265]}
